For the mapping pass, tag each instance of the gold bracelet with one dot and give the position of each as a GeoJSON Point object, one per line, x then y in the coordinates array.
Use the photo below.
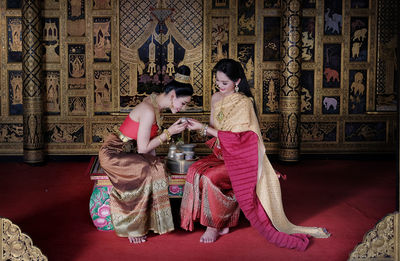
{"type": "Point", "coordinates": [201, 131]}
{"type": "Point", "coordinates": [205, 129]}
{"type": "Point", "coordinates": [159, 138]}
{"type": "Point", "coordinates": [168, 135]}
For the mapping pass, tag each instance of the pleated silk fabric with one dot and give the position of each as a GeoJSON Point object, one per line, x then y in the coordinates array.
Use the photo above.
{"type": "Point", "coordinates": [208, 196]}
{"type": "Point", "coordinates": [263, 206]}
{"type": "Point", "coordinates": [139, 198]}
{"type": "Point", "coordinates": [241, 159]}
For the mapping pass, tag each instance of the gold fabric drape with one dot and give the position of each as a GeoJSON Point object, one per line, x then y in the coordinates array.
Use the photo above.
{"type": "Point", "coordinates": [240, 117]}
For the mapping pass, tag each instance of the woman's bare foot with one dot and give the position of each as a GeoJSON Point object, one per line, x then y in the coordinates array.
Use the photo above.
{"type": "Point", "coordinates": [212, 234]}
{"type": "Point", "coordinates": [137, 240]}
{"type": "Point", "coordinates": [322, 233]}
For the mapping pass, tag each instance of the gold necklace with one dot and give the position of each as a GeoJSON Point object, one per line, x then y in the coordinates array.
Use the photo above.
{"type": "Point", "coordinates": [220, 115]}
{"type": "Point", "coordinates": [153, 101]}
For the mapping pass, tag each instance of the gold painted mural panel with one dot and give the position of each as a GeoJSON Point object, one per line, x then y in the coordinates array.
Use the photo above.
{"type": "Point", "coordinates": [101, 58]}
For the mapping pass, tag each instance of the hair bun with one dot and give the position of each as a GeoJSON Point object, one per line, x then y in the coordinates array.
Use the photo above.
{"type": "Point", "coordinates": [184, 70]}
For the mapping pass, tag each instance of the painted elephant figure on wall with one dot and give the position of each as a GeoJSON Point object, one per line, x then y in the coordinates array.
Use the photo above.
{"type": "Point", "coordinates": [331, 75]}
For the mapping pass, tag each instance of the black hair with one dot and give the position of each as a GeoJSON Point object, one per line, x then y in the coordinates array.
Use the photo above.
{"type": "Point", "coordinates": [181, 89]}
{"type": "Point", "coordinates": [234, 70]}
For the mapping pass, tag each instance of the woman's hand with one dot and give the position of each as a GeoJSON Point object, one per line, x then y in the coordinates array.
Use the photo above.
{"type": "Point", "coordinates": [194, 124]}
{"type": "Point", "coordinates": [177, 127]}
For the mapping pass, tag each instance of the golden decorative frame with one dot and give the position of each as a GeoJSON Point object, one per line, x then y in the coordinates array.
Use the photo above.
{"type": "Point", "coordinates": [15, 245]}
{"type": "Point", "coordinates": [381, 242]}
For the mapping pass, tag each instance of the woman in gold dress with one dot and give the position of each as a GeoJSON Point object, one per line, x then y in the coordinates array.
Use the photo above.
{"type": "Point", "coordinates": [238, 175]}
{"type": "Point", "coordinates": [139, 197]}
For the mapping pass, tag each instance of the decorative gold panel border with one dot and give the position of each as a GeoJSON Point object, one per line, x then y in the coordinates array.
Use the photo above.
{"type": "Point", "coordinates": [15, 245]}
{"type": "Point", "coordinates": [380, 243]}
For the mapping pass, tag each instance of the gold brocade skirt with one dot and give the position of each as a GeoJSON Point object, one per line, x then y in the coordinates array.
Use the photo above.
{"type": "Point", "coordinates": [139, 198]}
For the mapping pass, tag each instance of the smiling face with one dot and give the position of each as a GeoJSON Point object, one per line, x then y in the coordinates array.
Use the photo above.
{"type": "Point", "coordinates": [225, 85]}
{"type": "Point", "coordinates": [179, 103]}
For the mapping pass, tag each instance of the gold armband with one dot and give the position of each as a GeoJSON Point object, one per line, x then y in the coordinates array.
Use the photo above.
{"type": "Point", "coordinates": [168, 135]}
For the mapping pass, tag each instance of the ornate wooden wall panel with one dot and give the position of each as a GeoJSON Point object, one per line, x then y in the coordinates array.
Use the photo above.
{"type": "Point", "coordinates": [102, 57]}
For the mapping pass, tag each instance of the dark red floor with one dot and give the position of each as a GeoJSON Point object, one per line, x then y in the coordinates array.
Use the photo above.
{"type": "Point", "coordinates": [51, 205]}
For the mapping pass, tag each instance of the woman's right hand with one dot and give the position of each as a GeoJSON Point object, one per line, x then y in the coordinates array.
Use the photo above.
{"type": "Point", "coordinates": [194, 124]}
{"type": "Point", "coordinates": [177, 127]}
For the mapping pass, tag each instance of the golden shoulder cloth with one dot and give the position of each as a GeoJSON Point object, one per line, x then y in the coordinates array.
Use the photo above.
{"type": "Point", "coordinates": [239, 117]}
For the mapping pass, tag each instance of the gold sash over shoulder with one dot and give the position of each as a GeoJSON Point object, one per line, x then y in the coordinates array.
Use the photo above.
{"type": "Point", "coordinates": [239, 116]}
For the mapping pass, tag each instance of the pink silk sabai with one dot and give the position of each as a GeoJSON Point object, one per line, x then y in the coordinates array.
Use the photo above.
{"type": "Point", "coordinates": [240, 155]}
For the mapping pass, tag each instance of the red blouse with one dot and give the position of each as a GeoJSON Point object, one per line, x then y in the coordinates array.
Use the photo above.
{"type": "Point", "coordinates": [130, 128]}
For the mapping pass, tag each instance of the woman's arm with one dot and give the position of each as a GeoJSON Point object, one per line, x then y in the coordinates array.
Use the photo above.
{"type": "Point", "coordinates": [209, 129]}
{"type": "Point", "coordinates": [147, 118]}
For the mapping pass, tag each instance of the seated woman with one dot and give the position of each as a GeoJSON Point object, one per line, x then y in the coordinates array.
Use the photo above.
{"type": "Point", "coordinates": [238, 175]}
{"type": "Point", "coordinates": [139, 197]}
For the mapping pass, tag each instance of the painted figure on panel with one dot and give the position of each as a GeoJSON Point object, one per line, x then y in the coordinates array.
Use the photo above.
{"type": "Point", "coordinates": [14, 34]}
{"type": "Point", "coordinates": [52, 82]}
{"type": "Point", "coordinates": [359, 38]}
{"type": "Point", "coordinates": [101, 131]}
{"type": "Point", "coordinates": [270, 91]}
{"type": "Point", "coordinates": [333, 17]}
{"type": "Point", "coordinates": [318, 131]}
{"type": "Point", "coordinates": [102, 39]}
{"type": "Point", "coordinates": [77, 105]}
{"type": "Point", "coordinates": [12, 133]}
{"type": "Point", "coordinates": [271, 41]}
{"type": "Point", "coordinates": [331, 105]}
{"type": "Point", "coordinates": [270, 131]}
{"type": "Point", "coordinates": [139, 198]}
{"type": "Point", "coordinates": [246, 57]}
{"type": "Point", "coordinates": [76, 66]}
{"type": "Point", "coordinates": [64, 133]}
{"type": "Point", "coordinates": [307, 91]}
{"type": "Point", "coordinates": [308, 40]}
{"type": "Point", "coordinates": [246, 17]}
{"type": "Point", "coordinates": [237, 175]}
{"type": "Point", "coordinates": [16, 84]}
{"type": "Point", "coordinates": [15, 92]}
{"type": "Point", "coordinates": [51, 37]}
{"type": "Point", "coordinates": [219, 38]}
{"type": "Point", "coordinates": [332, 64]}
{"type": "Point", "coordinates": [365, 131]}
{"type": "Point", "coordinates": [102, 91]}
{"type": "Point", "coordinates": [357, 95]}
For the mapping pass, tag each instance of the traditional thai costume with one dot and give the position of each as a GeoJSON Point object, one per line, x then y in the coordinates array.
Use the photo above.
{"type": "Point", "coordinates": [139, 197]}
{"type": "Point", "coordinates": [239, 175]}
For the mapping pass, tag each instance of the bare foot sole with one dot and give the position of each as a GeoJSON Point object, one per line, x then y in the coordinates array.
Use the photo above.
{"type": "Point", "coordinates": [212, 234]}
{"type": "Point", "coordinates": [137, 240]}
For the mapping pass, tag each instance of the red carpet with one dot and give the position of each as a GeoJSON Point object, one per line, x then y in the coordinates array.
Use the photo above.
{"type": "Point", "coordinates": [51, 204]}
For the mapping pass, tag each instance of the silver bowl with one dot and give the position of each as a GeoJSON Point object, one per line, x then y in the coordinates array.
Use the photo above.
{"type": "Point", "coordinates": [179, 166]}
{"type": "Point", "coordinates": [188, 147]}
